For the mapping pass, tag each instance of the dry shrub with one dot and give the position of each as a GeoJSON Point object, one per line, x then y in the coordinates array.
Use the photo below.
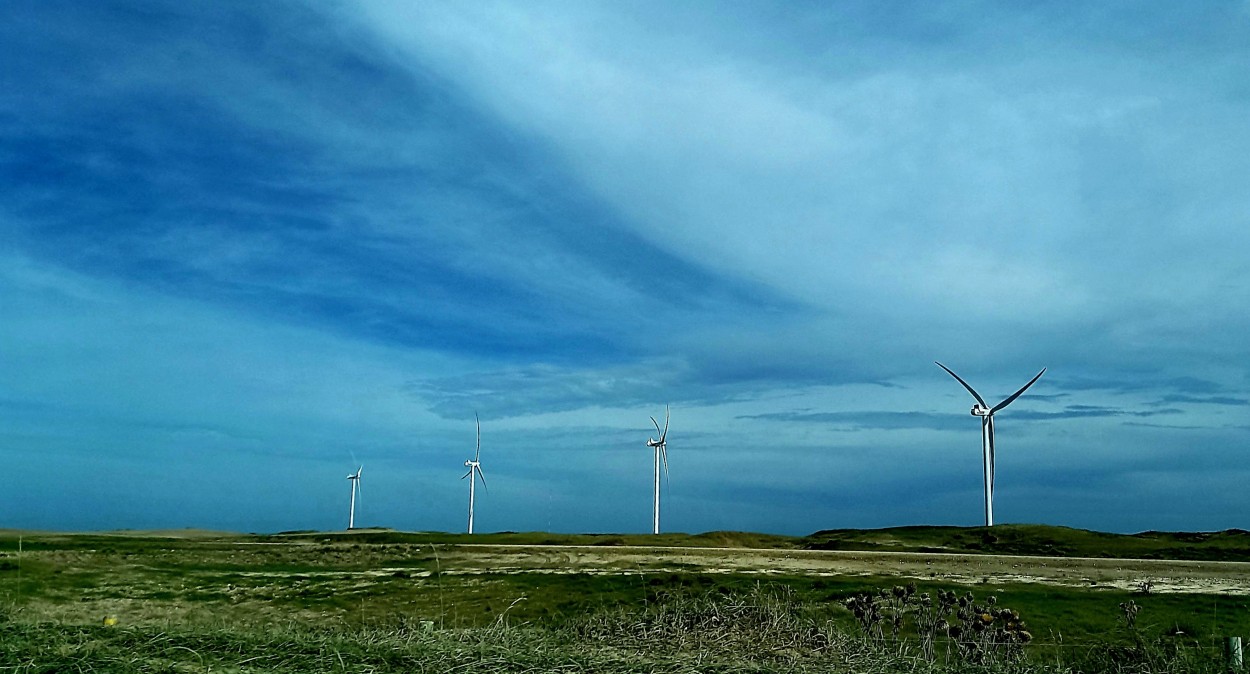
{"type": "Point", "coordinates": [765, 621]}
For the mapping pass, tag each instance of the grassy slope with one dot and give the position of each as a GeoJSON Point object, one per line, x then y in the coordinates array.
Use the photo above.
{"type": "Point", "coordinates": [1047, 541]}
{"type": "Point", "coordinates": [1006, 539]}
{"type": "Point", "coordinates": [719, 539]}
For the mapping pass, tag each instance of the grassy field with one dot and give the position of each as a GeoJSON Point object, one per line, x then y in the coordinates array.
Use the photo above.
{"type": "Point", "coordinates": [378, 600]}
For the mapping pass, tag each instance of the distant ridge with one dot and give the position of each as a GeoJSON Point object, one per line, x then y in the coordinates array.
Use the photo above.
{"type": "Point", "coordinates": [128, 533]}
{"type": "Point", "coordinates": [1232, 545]}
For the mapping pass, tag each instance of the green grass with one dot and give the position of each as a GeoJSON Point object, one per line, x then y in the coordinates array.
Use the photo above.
{"type": "Point", "coordinates": [761, 628]}
{"type": "Point", "coordinates": [381, 601]}
{"type": "Point", "coordinates": [345, 576]}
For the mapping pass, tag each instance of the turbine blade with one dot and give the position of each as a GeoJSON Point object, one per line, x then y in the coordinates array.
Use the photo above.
{"type": "Point", "coordinates": [987, 475]}
{"type": "Point", "coordinates": [1015, 395]}
{"type": "Point", "coordinates": [664, 433]}
{"type": "Point", "coordinates": [657, 426]}
{"type": "Point", "coordinates": [664, 458]}
{"type": "Point", "coordinates": [482, 476]}
{"type": "Point", "coordinates": [970, 389]}
{"type": "Point", "coordinates": [990, 420]}
{"type": "Point", "coordinates": [477, 456]}
{"type": "Point", "coordinates": [467, 474]}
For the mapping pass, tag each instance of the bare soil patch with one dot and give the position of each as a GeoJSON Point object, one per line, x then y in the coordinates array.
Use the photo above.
{"type": "Point", "coordinates": [1164, 576]}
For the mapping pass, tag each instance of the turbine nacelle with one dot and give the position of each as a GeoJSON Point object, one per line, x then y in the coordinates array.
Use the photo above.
{"type": "Point", "coordinates": [981, 411]}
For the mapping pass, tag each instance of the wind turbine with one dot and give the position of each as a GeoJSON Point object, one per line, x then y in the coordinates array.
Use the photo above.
{"type": "Point", "coordinates": [475, 466]}
{"type": "Point", "coordinates": [987, 435]}
{"type": "Point", "coordinates": [351, 514]}
{"type": "Point", "coordinates": [661, 455]}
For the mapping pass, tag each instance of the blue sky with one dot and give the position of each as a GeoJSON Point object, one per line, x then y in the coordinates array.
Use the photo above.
{"type": "Point", "coordinates": [247, 246]}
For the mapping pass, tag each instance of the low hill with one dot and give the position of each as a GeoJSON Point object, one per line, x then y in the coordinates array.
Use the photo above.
{"type": "Point", "coordinates": [1232, 545]}
{"type": "Point", "coordinates": [1039, 540]}
{"type": "Point", "coordinates": [1003, 539]}
{"type": "Point", "coordinates": [711, 539]}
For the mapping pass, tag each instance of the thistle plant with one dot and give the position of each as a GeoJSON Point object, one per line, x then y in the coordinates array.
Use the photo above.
{"type": "Point", "coordinates": [1130, 609]}
{"type": "Point", "coordinates": [987, 633]}
{"type": "Point", "coordinates": [931, 619]}
{"type": "Point", "coordinates": [979, 633]}
{"type": "Point", "coordinates": [868, 612]}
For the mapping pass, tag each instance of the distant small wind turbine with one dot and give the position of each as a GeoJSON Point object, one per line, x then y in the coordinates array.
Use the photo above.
{"type": "Point", "coordinates": [475, 466]}
{"type": "Point", "coordinates": [661, 456]}
{"type": "Point", "coordinates": [987, 435]}
{"type": "Point", "coordinates": [351, 514]}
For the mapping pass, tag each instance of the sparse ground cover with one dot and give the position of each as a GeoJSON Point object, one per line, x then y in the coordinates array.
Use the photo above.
{"type": "Point", "coordinates": [384, 601]}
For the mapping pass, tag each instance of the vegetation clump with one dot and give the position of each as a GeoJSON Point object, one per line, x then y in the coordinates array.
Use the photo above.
{"type": "Point", "coordinates": [973, 632]}
{"type": "Point", "coordinates": [766, 622]}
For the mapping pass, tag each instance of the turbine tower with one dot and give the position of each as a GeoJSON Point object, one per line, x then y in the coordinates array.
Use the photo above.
{"type": "Point", "coordinates": [474, 466]}
{"type": "Point", "coordinates": [351, 513]}
{"type": "Point", "coordinates": [661, 456]}
{"type": "Point", "coordinates": [987, 435]}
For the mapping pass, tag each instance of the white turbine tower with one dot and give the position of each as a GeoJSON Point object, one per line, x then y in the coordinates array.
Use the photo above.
{"type": "Point", "coordinates": [661, 456]}
{"type": "Point", "coordinates": [351, 513]}
{"type": "Point", "coordinates": [475, 466]}
{"type": "Point", "coordinates": [987, 435]}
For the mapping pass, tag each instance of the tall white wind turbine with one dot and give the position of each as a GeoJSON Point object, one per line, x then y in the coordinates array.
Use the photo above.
{"type": "Point", "coordinates": [351, 513]}
{"type": "Point", "coordinates": [475, 466]}
{"type": "Point", "coordinates": [661, 457]}
{"type": "Point", "coordinates": [987, 435]}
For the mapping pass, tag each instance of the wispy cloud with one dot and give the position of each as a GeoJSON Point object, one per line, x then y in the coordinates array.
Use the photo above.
{"type": "Point", "coordinates": [1093, 411]}
{"type": "Point", "coordinates": [859, 421]}
{"type": "Point", "coordinates": [874, 419]}
{"type": "Point", "coordinates": [1203, 400]}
